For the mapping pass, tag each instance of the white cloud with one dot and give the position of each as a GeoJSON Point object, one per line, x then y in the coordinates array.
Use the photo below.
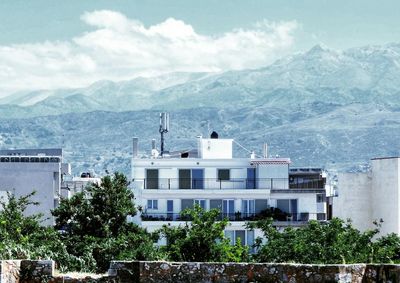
{"type": "Point", "coordinates": [120, 48]}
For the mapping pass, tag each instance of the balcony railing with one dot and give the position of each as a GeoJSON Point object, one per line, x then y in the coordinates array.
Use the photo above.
{"type": "Point", "coordinates": [211, 183]}
{"type": "Point", "coordinates": [238, 216]}
{"type": "Point", "coordinates": [30, 159]}
{"type": "Point", "coordinates": [219, 184]}
{"type": "Point", "coordinates": [296, 183]}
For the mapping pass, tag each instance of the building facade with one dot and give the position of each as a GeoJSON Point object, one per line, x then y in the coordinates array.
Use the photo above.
{"type": "Point", "coordinates": [243, 189]}
{"type": "Point", "coordinates": [23, 171]}
{"type": "Point", "coordinates": [372, 196]}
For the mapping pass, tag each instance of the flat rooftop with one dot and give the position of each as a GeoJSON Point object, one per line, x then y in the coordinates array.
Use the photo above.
{"type": "Point", "coordinates": [32, 152]}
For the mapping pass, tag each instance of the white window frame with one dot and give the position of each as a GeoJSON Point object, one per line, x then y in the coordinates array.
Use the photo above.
{"type": "Point", "coordinates": [228, 212]}
{"type": "Point", "coordinates": [248, 212]}
{"type": "Point", "coordinates": [245, 236]}
{"type": "Point", "coordinates": [152, 202]}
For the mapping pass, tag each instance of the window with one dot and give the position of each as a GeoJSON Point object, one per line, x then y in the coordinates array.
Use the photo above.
{"type": "Point", "coordinates": [201, 203]}
{"type": "Point", "coordinates": [170, 205]}
{"type": "Point", "coordinates": [246, 237]}
{"type": "Point", "coordinates": [321, 216]}
{"type": "Point", "coordinates": [224, 174]}
{"type": "Point", "coordinates": [191, 179]}
{"type": "Point", "coordinates": [152, 204]}
{"type": "Point", "coordinates": [321, 198]}
{"type": "Point", "coordinates": [248, 207]}
{"type": "Point", "coordinates": [228, 208]}
{"type": "Point", "coordinates": [288, 206]}
{"type": "Point", "coordinates": [186, 203]}
{"type": "Point", "coordinates": [170, 209]}
{"type": "Point", "coordinates": [152, 179]}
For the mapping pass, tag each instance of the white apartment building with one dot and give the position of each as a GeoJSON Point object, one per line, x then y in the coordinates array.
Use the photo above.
{"type": "Point", "coordinates": [25, 170]}
{"type": "Point", "coordinates": [243, 189]}
{"type": "Point", "coordinates": [371, 196]}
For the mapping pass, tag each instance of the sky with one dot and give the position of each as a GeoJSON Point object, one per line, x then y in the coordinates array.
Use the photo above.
{"type": "Point", "coordinates": [48, 44]}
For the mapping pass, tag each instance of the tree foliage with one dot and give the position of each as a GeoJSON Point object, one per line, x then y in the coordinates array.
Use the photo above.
{"type": "Point", "coordinates": [95, 224]}
{"type": "Point", "coordinates": [92, 228]}
{"type": "Point", "coordinates": [201, 239]}
{"type": "Point", "coordinates": [22, 237]}
{"type": "Point", "coordinates": [101, 210]}
{"type": "Point", "coordinates": [336, 241]}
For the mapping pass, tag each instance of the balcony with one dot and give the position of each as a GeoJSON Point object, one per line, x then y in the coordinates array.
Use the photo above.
{"type": "Point", "coordinates": [219, 184]}
{"type": "Point", "coordinates": [306, 183]}
{"type": "Point", "coordinates": [211, 184]}
{"type": "Point", "coordinates": [277, 215]}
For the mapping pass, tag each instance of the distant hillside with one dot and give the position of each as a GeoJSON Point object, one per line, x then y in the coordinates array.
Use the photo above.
{"type": "Point", "coordinates": [321, 108]}
{"type": "Point", "coordinates": [334, 137]}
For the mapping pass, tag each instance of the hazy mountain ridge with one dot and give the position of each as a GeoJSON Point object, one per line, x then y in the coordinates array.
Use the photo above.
{"type": "Point", "coordinates": [321, 108]}
{"type": "Point", "coordinates": [360, 75]}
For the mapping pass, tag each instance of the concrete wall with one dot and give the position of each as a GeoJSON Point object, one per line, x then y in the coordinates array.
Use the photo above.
{"type": "Point", "coordinates": [385, 193]}
{"type": "Point", "coordinates": [23, 178]}
{"type": "Point", "coordinates": [369, 197]}
{"type": "Point", "coordinates": [354, 201]}
{"type": "Point", "coordinates": [135, 271]}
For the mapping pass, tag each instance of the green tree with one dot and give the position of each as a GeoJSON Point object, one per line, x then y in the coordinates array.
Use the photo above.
{"type": "Point", "coordinates": [95, 225]}
{"type": "Point", "coordinates": [22, 237]}
{"type": "Point", "coordinates": [201, 239]}
{"type": "Point", "coordinates": [386, 249]}
{"type": "Point", "coordinates": [14, 225]}
{"type": "Point", "coordinates": [336, 241]}
{"type": "Point", "coordinates": [101, 210]}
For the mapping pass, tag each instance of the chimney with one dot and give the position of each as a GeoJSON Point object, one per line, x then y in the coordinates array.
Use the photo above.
{"type": "Point", "coordinates": [135, 144]}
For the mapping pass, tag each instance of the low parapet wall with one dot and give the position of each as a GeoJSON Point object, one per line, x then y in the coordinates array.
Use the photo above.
{"type": "Point", "coordinates": [13, 271]}
{"type": "Point", "coordinates": [252, 272]}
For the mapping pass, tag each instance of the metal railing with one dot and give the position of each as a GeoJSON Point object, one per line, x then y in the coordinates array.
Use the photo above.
{"type": "Point", "coordinates": [238, 216]}
{"type": "Point", "coordinates": [306, 183]}
{"type": "Point", "coordinates": [30, 159]}
{"type": "Point", "coordinates": [211, 183]}
{"type": "Point", "coordinates": [220, 184]}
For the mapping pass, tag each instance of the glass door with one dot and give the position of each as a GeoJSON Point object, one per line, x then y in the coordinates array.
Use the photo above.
{"type": "Point", "coordinates": [170, 209]}
{"type": "Point", "coordinates": [152, 179]}
{"type": "Point", "coordinates": [198, 179]}
{"type": "Point", "coordinates": [184, 179]}
{"type": "Point", "coordinates": [251, 179]}
{"type": "Point", "coordinates": [228, 208]}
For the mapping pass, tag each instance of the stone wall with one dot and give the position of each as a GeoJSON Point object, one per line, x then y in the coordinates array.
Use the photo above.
{"type": "Point", "coordinates": [155, 271]}
{"type": "Point", "coordinates": [252, 272]}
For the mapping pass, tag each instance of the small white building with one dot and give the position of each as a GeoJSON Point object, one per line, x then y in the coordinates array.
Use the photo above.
{"type": "Point", "coordinates": [371, 196]}
{"type": "Point", "coordinates": [243, 189]}
{"type": "Point", "coordinates": [25, 170]}
{"type": "Point", "coordinates": [77, 184]}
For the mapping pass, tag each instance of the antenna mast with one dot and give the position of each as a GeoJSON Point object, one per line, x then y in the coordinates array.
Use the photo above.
{"type": "Point", "coordinates": [164, 128]}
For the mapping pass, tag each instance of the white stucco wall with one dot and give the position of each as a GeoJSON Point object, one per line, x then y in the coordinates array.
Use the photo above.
{"type": "Point", "coordinates": [23, 178]}
{"type": "Point", "coordinates": [354, 200]}
{"type": "Point", "coordinates": [385, 193]}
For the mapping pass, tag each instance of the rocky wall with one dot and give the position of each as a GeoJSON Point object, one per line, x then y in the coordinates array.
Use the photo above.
{"type": "Point", "coordinates": [156, 271]}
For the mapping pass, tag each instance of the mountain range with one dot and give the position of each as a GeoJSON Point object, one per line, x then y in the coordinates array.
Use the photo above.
{"type": "Point", "coordinates": [333, 109]}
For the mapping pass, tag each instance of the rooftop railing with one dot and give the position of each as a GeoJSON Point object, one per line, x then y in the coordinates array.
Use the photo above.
{"type": "Point", "coordinates": [30, 159]}
{"type": "Point", "coordinates": [221, 184]}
